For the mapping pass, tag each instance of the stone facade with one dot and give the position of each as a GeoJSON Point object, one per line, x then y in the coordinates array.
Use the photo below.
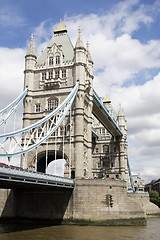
{"type": "Point", "coordinates": [49, 79]}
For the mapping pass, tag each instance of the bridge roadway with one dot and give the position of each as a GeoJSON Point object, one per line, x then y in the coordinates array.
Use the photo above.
{"type": "Point", "coordinates": [105, 116]}
{"type": "Point", "coordinates": [15, 177]}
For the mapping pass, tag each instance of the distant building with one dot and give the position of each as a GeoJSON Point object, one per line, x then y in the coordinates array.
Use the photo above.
{"type": "Point", "coordinates": [153, 185]}
{"type": "Point", "coordinates": [138, 183]}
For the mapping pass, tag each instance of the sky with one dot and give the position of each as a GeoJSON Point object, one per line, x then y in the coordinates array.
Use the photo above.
{"type": "Point", "coordinates": [124, 42]}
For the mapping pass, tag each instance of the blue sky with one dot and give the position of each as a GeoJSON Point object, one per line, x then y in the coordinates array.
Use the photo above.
{"type": "Point", "coordinates": [124, 41]}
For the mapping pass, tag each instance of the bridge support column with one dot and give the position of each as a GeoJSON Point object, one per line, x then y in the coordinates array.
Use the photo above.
{"type": "Point", "coordinates": [79, 134]}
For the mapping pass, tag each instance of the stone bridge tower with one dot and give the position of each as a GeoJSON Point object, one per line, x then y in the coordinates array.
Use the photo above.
{"type": "Point", "coordinates": [49, 79]}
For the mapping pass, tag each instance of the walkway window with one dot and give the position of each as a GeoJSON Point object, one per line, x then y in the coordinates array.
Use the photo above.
{"type": "Point", "coordinates": [52, 104]}
{"type": "Point", "coordinates": [37, 107]}
{"type": "Point", "coordinates": [51, 61]}
{"type": "Point", "coordinates": [57, 60]}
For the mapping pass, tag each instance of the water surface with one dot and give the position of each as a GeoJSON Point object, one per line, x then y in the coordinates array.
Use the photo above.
{"type": "Point", "coordinates": [64, 232]}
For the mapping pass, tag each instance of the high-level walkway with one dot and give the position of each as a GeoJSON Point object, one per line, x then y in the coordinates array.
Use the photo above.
{"type": "Point", "coordinates": [105, 116]}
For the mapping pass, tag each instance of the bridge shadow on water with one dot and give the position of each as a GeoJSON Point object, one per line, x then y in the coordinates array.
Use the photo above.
{"type": "Point", "coordinates": [15, 225]}
{"type": "Point", "coordinates": [27, 209]}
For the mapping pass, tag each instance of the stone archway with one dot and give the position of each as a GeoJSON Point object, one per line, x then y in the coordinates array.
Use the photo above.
{"type": "Point", "coordinates": [41, 159]}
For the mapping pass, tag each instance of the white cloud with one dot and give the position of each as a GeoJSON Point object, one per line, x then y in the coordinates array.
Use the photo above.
{"type": "Point", "coordinates": [11, 73]}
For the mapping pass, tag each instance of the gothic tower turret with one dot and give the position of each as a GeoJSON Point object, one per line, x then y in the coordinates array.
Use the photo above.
{"type": "Point", "coordinates": [123, 144]}
{"type": "Point", "coordinates": [30, 61]}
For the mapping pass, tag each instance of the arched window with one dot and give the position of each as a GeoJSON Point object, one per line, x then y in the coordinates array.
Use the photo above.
{"type": "Point", "coordinates": [67, 130]}
{"type": "Point", "coordinates": [51, 61]}
{"type": "Point", "coordinates": [52, 104]}
{"type": "Point", "coordinates": [57, 60]}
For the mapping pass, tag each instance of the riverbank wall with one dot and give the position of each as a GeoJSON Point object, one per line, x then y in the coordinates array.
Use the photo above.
{"type": "Point", "coordinates": [93, 201]}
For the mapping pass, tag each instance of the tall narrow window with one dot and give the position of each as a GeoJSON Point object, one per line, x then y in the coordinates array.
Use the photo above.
{"type": "Point", "coordinates": [52, 104]}
{"type": "Point", "coordinates": [63, 73]}
{"type": "Point", "coordinates": [56, 74]}
{"type": "Point", "coordinates": [50, 75]}
{"type": "Point", "coordinates": [43, 76]}
{"type": "Point", "coordinates": [105, 148]}
{"type": "Point", "coordinates": [51, 61]}
{"type": "Point", "coordinates": [57, 60]}
{"type": "Point", "coordinates": [37, 107]}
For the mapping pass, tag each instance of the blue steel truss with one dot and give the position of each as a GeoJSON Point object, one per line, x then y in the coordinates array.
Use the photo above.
{"type": "Point", "coordinates": [29, 137]}
{"type": "Point", "coordinates": [6, 112]}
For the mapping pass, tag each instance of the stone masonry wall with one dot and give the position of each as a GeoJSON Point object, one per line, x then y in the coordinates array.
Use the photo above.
{"type": "Point", "coordinates": [99, 200]}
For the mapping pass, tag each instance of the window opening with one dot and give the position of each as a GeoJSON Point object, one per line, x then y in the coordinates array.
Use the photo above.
{"type": "Point", "coordinates": [56, 74]}
{"type": "Point", "coordinates": [51, 61]}
{"type": "Point", "coordinates": [37, 107]}
{"type": "Point", "coordinates": [57, 60]}
{"type": "Point", "coordinates": [52, 104]}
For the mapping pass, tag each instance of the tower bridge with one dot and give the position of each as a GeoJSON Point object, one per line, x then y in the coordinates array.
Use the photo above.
{"type": "Point", "coordinates": [64, 118]}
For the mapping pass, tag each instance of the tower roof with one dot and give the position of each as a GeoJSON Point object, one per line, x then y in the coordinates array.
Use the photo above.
{"type": "Point", "coordinates": [31, 51]}
{"type": "Point", "coordinates": [79, 43]}
{"type": "Point", "coordinates": [88, 53]}
{"type": "Point", "coordinates": [60, 28]}
{"type": "Point", "coordinates": [121, 111]}
{"type": "Point", "coordinates": [60, 38]}
{"type": "Point", "coordinates": [106, 100]}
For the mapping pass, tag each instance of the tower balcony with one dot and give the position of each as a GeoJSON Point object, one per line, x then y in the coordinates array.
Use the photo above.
{"type": "Point", "coordinates": [52, 82]}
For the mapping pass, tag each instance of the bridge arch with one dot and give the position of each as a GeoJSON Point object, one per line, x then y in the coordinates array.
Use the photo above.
{"type": "Point", "coordinates": [51, 157]}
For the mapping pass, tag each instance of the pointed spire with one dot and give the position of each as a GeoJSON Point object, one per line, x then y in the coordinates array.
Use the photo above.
{"type": "Point", "coordinates": [88, 52]}
{"type": "Point", "coordinates": [79, 43]}
{"type": "Point", "coordinates": [31, 51]}
{"type": "Point", "coordinates": [121, 111]}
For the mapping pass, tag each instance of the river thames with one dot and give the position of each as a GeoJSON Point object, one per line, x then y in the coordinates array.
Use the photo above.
{"type": "Point", "coordinates": [64, 232]}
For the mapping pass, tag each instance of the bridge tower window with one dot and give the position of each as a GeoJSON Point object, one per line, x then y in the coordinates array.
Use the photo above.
{"type": "Point", "coordinates": [63, 73]}
{"type": "Point", "coordinates": [52, 104]}
{"type": "Point", "coordinates": [37, 107]}
{"type": "Point", "coordinates": [56, 74]}
{"type": "Point", "coordinates": [97, 150]}
{"type": "Point", "coordinates": [43, 76]}
{"type": "Point", "coordinates": [105, 148]}
{"type": "Point", "coordinates": [57, 60]}
{"type": "Point", "coordinates": [51, 61]}
{"type": "Point", "coordinates": [50, 75]}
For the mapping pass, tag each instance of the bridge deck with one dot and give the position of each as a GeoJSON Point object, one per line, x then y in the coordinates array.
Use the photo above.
{"type": "Point", "coordinates": [105, 117]}
{"type": "Point", "coordinates": [13, 177]}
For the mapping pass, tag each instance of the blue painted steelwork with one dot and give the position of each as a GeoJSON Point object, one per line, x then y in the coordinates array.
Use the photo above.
{"type": "Point", "coordinates": [12, 106]}
{"type": "Point", "coordinates": [68, 102]}
{"type": "Point", "coordinates": [107, 113]}
{"type": "Point", "coordinates": [130, 175]}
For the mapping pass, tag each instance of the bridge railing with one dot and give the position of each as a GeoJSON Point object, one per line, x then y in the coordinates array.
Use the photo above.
{"type": "Point", "coordinates": [39, 175]}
